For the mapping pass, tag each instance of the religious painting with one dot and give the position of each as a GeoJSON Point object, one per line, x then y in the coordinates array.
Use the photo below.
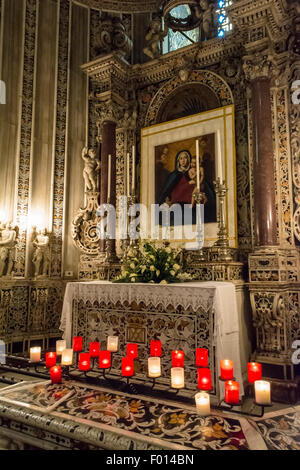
{"type": "Point", "coordinates": [176, 175]}
{"type": "Point", "coordinates": [169, 176]}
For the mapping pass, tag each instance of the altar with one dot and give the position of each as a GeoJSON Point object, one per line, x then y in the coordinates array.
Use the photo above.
{"type": "Point", "coordinates": [182, 316]}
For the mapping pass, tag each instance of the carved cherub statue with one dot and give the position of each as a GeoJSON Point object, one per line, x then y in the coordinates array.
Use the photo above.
{"type": "Point", "coordinates": [41, 256]}
{"type": "Point", "coordinates": [8, 241]}
{"type": "Point", "coordinates": [91, 167]}
{"type": "Point", "coordinates": [154, 37]}
{"type": "Point", "coordinates": [206, 12]}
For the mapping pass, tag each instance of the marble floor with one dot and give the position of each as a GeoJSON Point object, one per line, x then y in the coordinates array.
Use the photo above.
{"type": "Point", "coordinates": [164, 423]}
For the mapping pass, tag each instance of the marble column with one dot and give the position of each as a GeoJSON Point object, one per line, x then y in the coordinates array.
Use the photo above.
{"type": "Point", "coordinates": [263, 164]}
{"type": "Point", "coordinates": [108, 133]}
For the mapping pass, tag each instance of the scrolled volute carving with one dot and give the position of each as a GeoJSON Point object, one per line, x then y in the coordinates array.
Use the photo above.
{"type": "Point", "coordinates": [85, 232]}
{"type": "Point", "coordinates": [112, 37]}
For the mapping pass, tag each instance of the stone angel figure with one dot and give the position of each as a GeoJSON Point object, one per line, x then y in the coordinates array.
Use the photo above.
{"type": "Point", "coordinates": [206, 13]}
{"type": "Point", "coordinates": [8, 241]}
{"type": "Point", "coordinates": [41, 255]}
{"type": "Point", "coordinates": [91, 168]}
{"type": "Point", "coordinates": [154, 37]}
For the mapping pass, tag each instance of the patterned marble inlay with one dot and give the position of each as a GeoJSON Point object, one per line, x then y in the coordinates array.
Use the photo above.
{"type": "Point", "coordinates": [40, 395]}
{"type": "Point", "coordinates": [157, 420]}
{"type": "Point", "coordinates": [282, 430]}
{"type": "Point", "coordinates": [140, 416]}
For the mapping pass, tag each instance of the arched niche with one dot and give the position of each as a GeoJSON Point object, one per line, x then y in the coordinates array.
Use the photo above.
{"type": "Point", "coordinates": [202, 91]}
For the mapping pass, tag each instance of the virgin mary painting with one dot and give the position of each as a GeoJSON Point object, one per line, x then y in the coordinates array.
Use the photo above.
{"type": "Point", "coordinates": [178, 186]}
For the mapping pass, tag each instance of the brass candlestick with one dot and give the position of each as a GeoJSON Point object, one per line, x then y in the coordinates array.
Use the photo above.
{"type": "Point", "coordinates": [223, 241]}
{"type": "Point", "coordinates": [200, 198]}
{"type": "Point", "coordinates": [110, 245]}
{"type": "Point", "coordinates": [133, 242]}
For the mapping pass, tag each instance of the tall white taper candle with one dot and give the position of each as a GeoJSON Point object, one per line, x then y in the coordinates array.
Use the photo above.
{"type": "Point", "coordinates": [128, 174]}
{"type": "Point", "coordinates": [133, 169]}
{"type": "Point", "coordinates": [198, 164]}
{"type": "Point", "coordinates": [220, 162]}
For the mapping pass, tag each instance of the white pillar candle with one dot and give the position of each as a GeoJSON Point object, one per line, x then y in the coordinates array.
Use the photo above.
{"type": "Point", "coordinates": [177, 377]}
{"type": "Point", "coordinates": [202, 400]}
{"type": "Point", "coordinates": [35, 354]}
{"type": "Point", "coordinates": [220, 159]}
{"type": "Point", "coordinates": [60, 346]}
{"type": "Point", "coordinates": [262, 392]}
{"type": "Point", "coordinates": [128, 174]}
{"type": "Point", "coordinates": [133, 169]}
{"type": "Point", "coordinates": [154, 367]}
{"type": "Point", "coordinates": [112, 343]}
{"type": "Point", "coordinates": [67, 357]}
{"type": "Point", "coordinates": [198, 164]}
{"type": "Point", "coordinates": [109, 179]}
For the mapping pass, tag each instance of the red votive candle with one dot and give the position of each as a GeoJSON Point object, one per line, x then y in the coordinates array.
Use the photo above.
{"type": "Point", "coordinates": [232, 392]}
{"type": "Point", "coordinates": [132, 350]}
{"type": "Point", "coordinates": [94, 349]}
{"type": "Point", "coordinates": [226, 369]}
{"type": "Point", "coordinates": [84, 361]}
{"type": "Point", "coordinates": [55, 374]}
{"type": "Point", "coordinates": [155, 348]}
{"type": "Point", "coordinates": [204, 379]}
{"type": "Point", "coordinates": [177, 359]}
{"type": "Point", "coordinates": [254, 372]}
{"type": "Point", "coordinates": [50, 359]}
{"type": "Point", "coordinates": [77, 343]}
{"type": "Point", "coordinates": [201, 357]}
{"type": "Point", "coordinates": [104, 359]}
{"type": "Point", "coordinates": [127, 366]}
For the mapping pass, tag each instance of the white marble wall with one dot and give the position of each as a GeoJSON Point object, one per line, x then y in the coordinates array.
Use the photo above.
{"type": "Point", "coordinates": [36, 29]}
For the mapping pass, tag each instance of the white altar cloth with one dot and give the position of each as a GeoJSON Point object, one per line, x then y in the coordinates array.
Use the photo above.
{"type": "Point", "coordinates": [191, 294]}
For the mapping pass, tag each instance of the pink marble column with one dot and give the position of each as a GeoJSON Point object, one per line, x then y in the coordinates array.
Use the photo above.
{"type": "Point", "coordinates": [263, 168]}
{"type": "Point", "coordinates": [108, 147]}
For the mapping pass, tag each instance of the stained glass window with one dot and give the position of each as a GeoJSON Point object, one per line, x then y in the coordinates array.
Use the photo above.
{"type": "Point", "coordinates": [176, 39]}
{"type": "Point", "coordinates": [224, 24]}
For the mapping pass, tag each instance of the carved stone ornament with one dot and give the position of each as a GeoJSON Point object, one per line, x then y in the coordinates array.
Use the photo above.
{"type": "Point", "coordinates": [258, 65]}
{"type": "Point", "coordinates": [110, 111]}
{"type": "Point", "coordinates": [154, 37]}
{"type": "Point", "coordinates": [294, 40]}
{"type": "Point", "coordinates": [91, 169]}
{"type": "Point", "coordinates": [84, 226]}
{"type": "Point", "coordinates": [41, 255]}
{"type": "Point", "coordinates": [112, 36]}
{"type": "Point", "coordinates": [8, 241]}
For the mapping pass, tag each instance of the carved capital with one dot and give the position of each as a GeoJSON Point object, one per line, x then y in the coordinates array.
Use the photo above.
{"type": "Point", "coordinates": [258, 65]}
{"type": "Point", "coordinates": [110, 111]}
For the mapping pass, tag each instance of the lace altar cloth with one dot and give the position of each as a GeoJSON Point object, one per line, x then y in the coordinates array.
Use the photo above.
{"type": "Point", "coordinates": [218, 298]}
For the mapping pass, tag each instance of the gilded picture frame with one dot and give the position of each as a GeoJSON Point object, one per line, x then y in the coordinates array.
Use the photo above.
{"type": "Point", "coordinates": [163, 144]}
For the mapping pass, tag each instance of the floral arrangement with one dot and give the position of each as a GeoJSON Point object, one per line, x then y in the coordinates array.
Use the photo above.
{"type": "Point", "coordinates": [154, 263]}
